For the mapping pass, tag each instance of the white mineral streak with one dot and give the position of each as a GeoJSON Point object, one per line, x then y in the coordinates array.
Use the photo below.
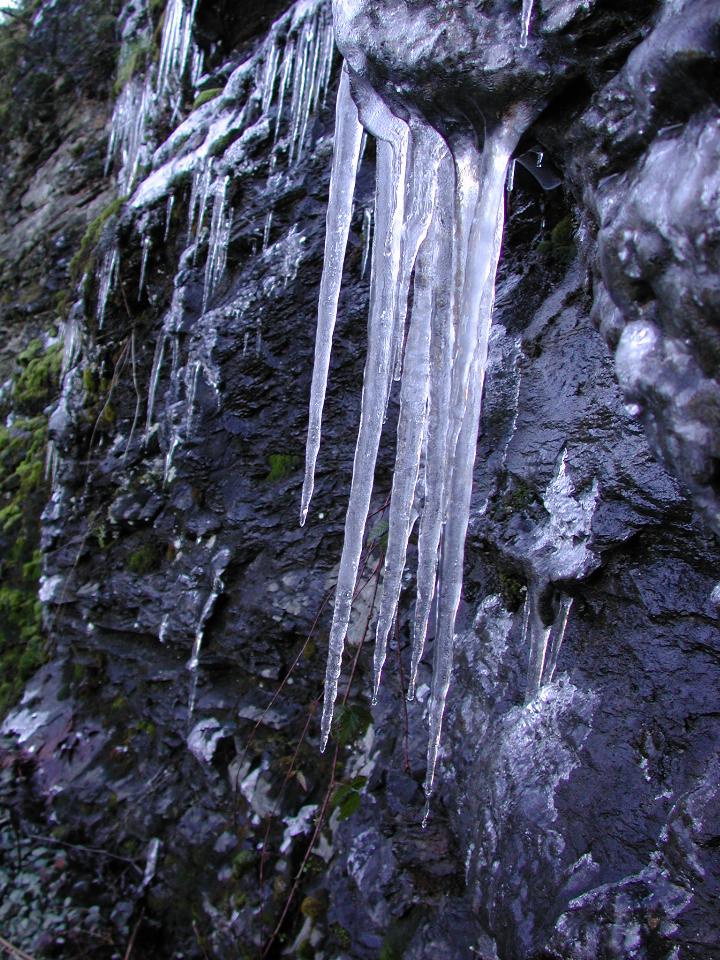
{"type": "Point", "coordinates": [559, 553]}
{"type": "Point", "coordinates": [342, 185]}
{"type": "Point", "coordinates": [527, 9]}
{"type": "Point", "coordinates": [392, 150]}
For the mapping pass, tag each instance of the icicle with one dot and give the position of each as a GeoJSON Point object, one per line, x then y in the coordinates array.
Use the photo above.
{"type": "Point", "coordinates": [511, 177]}
{"type": "Point", "coordinates": [393, 136]}
{"type": "Point", "coordinates": [146, 247]}
{"type": "Point", "coordinates": [191, 382]}
{"type": "Point", "coordinates": [287, 66]}
{"type": "Point", "coordinates": [410, 433]}
{"type": "Point", "coordinates": [367, 231]}
{"type": "Point", "coordinates": [441, 353]}
{"type": "Point", "coordinates": [556, 640]}
{"type": "Point", "coordinates": [271, 65]}
{"type": "Point", "coordinates": [106, 284]}
{"type": "Point", "coordinates": [194, 662]}
{"type": "Point", "coordinates": [266, 231]}
{"type": "Point", "coordinates": [342, 186]}
{"type": "Point", "coordinates": [537, 634]}
{"type": "Point", "coordinates": [220, 228]}
{"type": "Point", "coordinates": [466, 398]}
{"type": "Point", "coordinates": [527, 9]}
{"type": "Point", "coordinates": [426, 152]}
{"type": "Point", "coordinates": [154, 379]}
{"type": "Point", "coordinates": [168, 216]}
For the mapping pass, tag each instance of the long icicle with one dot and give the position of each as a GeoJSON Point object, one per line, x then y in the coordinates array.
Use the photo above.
{"type": "Point", "coordinates": [427, 148]}
{"type": "Point", "coordinates": [478, 300]}
{"type": "Point", "coordinates": [426, 153]}
{"type": "Point", "coordinates": [348, 134]}
{"type": "Point", "coordinates": [442, 345]}
{"type": "Point", "coordinates": [459, 190]}
{"type": "Point", "coordinates": [393, 135]}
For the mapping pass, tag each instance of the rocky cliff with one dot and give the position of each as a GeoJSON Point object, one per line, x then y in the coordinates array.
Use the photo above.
{"type": "Point", "coordinates": [163, 229]}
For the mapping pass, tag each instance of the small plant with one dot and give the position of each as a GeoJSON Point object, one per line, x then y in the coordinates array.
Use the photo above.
{"type": "Point", "coordinates": [206, 96]}
{"type": "Point", "coordinates": [281, 466]}
{"type": "Point", "coordinates": [347, 797]}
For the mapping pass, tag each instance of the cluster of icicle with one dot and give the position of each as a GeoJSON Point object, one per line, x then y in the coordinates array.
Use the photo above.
{"type": "Point", "coordinates": [290, 76]}
{"type": "Point", "coordinates": [439, 216]}
{"type": "Point", "coordinates": [144, 98]}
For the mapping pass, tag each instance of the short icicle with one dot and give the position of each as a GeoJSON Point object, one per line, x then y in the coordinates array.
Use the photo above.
{"type": "Point", "coordinates": [527, 9]}
{"type": "Point", "coordinates": [392, 150]}
{"type": "Point", "coordinates": [348, 133]}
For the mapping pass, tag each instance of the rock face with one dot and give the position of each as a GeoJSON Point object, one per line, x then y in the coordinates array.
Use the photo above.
{"type": "Point", "coordinates": [175, 726]}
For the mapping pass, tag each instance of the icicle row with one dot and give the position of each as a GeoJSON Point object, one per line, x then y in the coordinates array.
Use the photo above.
{"type": "Point", "coordinates": [393, 136]}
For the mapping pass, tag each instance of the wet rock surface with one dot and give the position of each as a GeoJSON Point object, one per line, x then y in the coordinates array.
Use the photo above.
{"type": "Point", "coordinates": [579, 822]}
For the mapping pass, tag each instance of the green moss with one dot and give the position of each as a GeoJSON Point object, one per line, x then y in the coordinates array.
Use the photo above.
{"type": "Point", "coordinates": [243, 861]}
{"type": "Point", "coordinates": [512, 590]}
{"type": "Point", "coordinates": [281, 466]}
{"type": "Point", "coordinates": [23, 493]}
{"type": "Point", "coordinates": [37, 378]}
{"type": "Point", "coordinates": [85, 256]}
{"type": "Point", "coordinates": [560, 245]}
{"type": "Point", "coordinates": [206, 96]}
{"type": "Point", "coordinates": [135, 60]}
{"type": "Point", "coordinates": [313, 907]}
{"type": "Point", "coordinates": [145, 559]}
{"type": "Point", "coordinates": [341, 936]}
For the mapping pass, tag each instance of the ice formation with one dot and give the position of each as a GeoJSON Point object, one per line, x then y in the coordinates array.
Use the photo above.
{"type": "Point", "coordinates": [439, 214]}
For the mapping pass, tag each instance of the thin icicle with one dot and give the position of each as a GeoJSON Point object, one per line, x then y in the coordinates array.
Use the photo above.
{"type": "Point", "coordinates": [393, 136]}
{"type": "Point", "coordinates": [168, 216]}
{"type": "Point", "coordinates": [427, 149]}
{"type": "Point", "coordinates": [367, 232]}
{"type": "Point", "coordinates": [527, 9]}
{"type": "Point", "coordinates": [556, 640]}
{"type": "Point", "coordinates": [441, 354]}
{"type": "Point", "coordinates": [154, 379]}
{"type": "Point", "coordinates": [108, 271]}
{"type": "Point", "coordinates": [342, 186]}
{"type": "Point", "coordinates": [266, 230]}
{"type": "Point", "coordinates": [538, 636]}
{"type": "Point", "coordinates": [287, 66]}
{"type": "Point", "coordinates": [146, 247]}
{"type": "Point", "coordinates": [511, 176]}
{"type": "Point", "coordinates": [410, 433]}
{"type": "Point", "coordinates": [220, 228]}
